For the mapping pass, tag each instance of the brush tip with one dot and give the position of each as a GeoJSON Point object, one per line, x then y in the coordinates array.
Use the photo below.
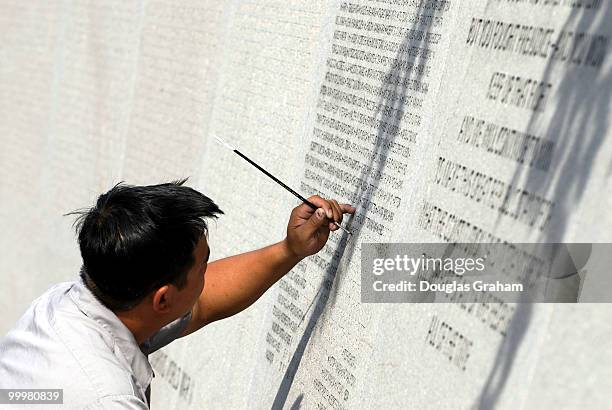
{"type": "Point", "coordinates": [221, 142]}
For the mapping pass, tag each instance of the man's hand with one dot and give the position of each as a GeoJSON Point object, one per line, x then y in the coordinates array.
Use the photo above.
{"type": "Point", "coordinates": [308, 231]}
{"type": "Point", "coordinates": [232, 284]}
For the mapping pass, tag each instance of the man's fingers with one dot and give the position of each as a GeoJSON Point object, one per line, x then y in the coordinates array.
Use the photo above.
{"type": "Point", "coordinates": [333, 210]}
{"type": "Point", "coordinates": [317, 220]}
{"type": "Point", "coordinates": [337, 211]}
{"type": "Point", "coordinates": [347, 209]}
{"type": "Point", "coordinates": [322, 203]}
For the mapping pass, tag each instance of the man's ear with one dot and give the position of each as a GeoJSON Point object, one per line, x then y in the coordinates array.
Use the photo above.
{"type": "Point", "coordinates": [162, 299]}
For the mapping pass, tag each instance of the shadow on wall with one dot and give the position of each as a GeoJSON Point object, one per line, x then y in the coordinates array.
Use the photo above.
{"type": "Point", "coordinates": [578, 128]}
{"type": "Point", "coordinates": [389, 112]}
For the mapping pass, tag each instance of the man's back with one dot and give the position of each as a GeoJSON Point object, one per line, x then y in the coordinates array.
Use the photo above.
{"type": "Point", "coordinates": [68, 340]}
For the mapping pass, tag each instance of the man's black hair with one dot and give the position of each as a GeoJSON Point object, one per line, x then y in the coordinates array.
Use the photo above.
{"type": "Point", "coordinates": [138, 238]}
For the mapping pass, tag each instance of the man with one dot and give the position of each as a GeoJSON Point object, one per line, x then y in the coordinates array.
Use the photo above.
{"type": "Point", "coordinates": [145, 281]}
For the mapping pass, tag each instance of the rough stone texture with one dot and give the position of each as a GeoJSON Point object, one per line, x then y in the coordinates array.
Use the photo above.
{"type": "Point", "coordinates": [363, 101]}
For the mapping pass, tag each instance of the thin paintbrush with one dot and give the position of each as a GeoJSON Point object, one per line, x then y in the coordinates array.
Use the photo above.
{"type": "Point", "coordinates": [278, 181]}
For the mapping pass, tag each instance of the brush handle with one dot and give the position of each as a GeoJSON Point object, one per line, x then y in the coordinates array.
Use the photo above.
{"type": "Point", "coordinates": [278, 181]}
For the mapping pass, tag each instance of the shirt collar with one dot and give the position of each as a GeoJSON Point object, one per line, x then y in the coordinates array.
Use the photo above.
{"type": "Point", "coordinates": [126, 348]}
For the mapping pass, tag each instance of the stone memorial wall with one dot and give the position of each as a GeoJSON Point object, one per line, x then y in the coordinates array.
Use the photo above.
{"type": "Point", "coordinates": [440, 120]}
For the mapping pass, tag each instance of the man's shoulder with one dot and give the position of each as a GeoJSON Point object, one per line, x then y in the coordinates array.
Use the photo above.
{"type": "Point", "coordinates": [54, 345]}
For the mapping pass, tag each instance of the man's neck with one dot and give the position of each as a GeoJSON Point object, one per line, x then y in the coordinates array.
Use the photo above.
{"type": "Point", "coordinates": [139, 328]}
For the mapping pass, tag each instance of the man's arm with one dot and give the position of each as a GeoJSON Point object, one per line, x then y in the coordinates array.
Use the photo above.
{"type": "Point", "coordinates": [232, 284]}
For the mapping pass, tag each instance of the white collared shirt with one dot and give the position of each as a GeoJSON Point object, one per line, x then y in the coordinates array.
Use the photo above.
{"type": "Point", "coordinates": [68, 340]}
